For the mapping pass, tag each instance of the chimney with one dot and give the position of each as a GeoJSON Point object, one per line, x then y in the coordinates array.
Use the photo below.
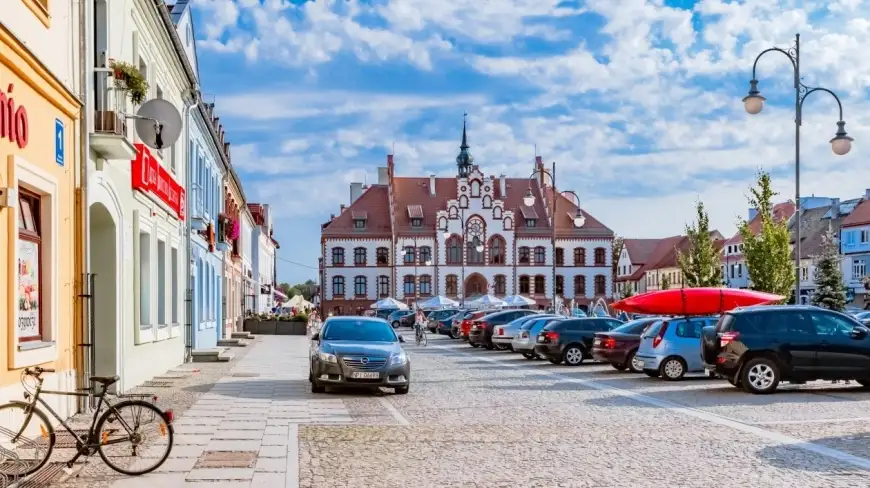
{"type": "Point", "coordinates": [383, 176]}
{"type": "Point", "coordinates": [502, 185]}
{"type": "Point", "coordinates": [432, 185]}
{"type": "Point", "coordinates": [867, 194]}
{"type": "Point", "coordinates": [227, 151]}
{"type": "Point", "coordinates": [355, 191]}
{"type": "Point", "coordinates": [752, 213]}
{"type": "Point", "coordinates": [835, 208]}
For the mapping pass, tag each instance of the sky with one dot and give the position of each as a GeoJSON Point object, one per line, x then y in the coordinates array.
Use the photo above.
{"type": "Point", "coordinates": [638, 102]}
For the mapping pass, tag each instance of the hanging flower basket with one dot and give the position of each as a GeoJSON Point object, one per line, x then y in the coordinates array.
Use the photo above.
{"type": "Point", "coordinates": [236, 230]}
{"type": "Point", "coordinates": [127, 78]}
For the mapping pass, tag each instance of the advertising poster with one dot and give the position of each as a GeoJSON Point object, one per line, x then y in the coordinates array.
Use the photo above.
{"type": "Point", "coordinates": [28, 289]}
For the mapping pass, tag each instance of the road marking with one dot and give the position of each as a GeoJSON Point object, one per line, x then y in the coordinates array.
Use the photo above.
{"type": "Point", "coordinates": [783, 439]}
{"type": "Point", "coordinates": [813, 421]}
{"type": "Point", "coordinates": [291, 474]}
{"type": "Point", "coordinates": [393, 411]}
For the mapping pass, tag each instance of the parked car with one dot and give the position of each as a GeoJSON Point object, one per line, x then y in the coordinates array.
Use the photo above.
{"type": "Point", "coordinates": [863, 317]}
{"type": "Point", "coordinates": [358, 352]}
{"type": "Point", "coordinates": [468, 318]}
{"type": "Point", "coordinates": [570, 340]}
{"type": "Point", "coordinates": [435, 319]}
{"type": "Point", "coordinates": [482, 328]}
{"type": "Point", "coordinates": [383, 314]}
{"type": "Point", "coordinates": [619, 346]}
{"type": "Point", "coordinates": [757, 348]}
{"type": "Point", "coordinates": [503, 335]}
{"type": "Point", "coordinates": [524, 342]}
{"type": "Point", "coordinates": [670, 348]}
{"type": "Point", "coordinates": [397, 315]}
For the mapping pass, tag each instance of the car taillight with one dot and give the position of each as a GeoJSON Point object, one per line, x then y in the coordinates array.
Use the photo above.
{"type": "Point", "coordinates": [552, 336]}
{"type": "Point", "coordinates": [609, 343]}
{"type": "Point", "coordinates": [482, 325]}
{"type": "Point", "coordinates": [500, 331]}
{"type": "Point", "coordinates": [726, 338]}
{"type": "Point", "coordinates": [660, 335]}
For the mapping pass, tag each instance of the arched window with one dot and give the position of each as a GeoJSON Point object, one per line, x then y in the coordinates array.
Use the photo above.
{"type": "Point", "coordinates": [453, 212]}
{"type": "Point", "coordinates": [524, 257]}
{"type": "Point", "coordinates": [474, 256]}
{"type": "Point", "coordinates": [475, 188]}
{"type": "Point", "coordinates": [383, 256]}
{"type": "Point", "coordinates": [487, 201]}
{"type": "Point", "coordinates": [579, 256]}
{"type": "Point", "coordinates": [383, 286]}
{"type": "Point", "coordinates": [451, 287]}
{"type": "Point", "coordinates": [496, 250]}
{"type": "Point", "coordinates": [454, 251]}
{"type": "Point", "coordinates": [359, 256]}
{"type": "Point", "coordinates": [425, 285]}
{"type": "Point", "coordinates": [337, 256]}
{"type": "Point", "coordinates": [425, 254]}
{"type": "Point", "coordinates": [560, 285]}
{"type": "Point", "coordinates": [540, 285]}
{"type": "Point", "coordinates": [442, 223]}
{"type": "Point", "coordinates": [338, 286]}
{"type": "Point", "coordinates": [408, 285]}
{"type": "Point", "coordinates": [496, 213]}
{"type": "Point", "coordinates": [525, 288]}
{"type": "Point", "coordinates": [359, 286]}
{"type": "Point", "coordinates": [600, 285]}
{"type": "Point", "coordinates": [508, 224]}
{"type": "Point", "coordinates": [560, 256]}
{"type": "Point", "coordinates": [540, 255]}
{"type": "Point", "coordinates": [600, 256]}
{"type": "Point", "coordinates": [580, 285]}
{"type": "Point", "coordinates": [500, 284]}
{"type": "Point", "coordinates": [463, 201]}
{"type": "Point", "coordinates": [410, 254]}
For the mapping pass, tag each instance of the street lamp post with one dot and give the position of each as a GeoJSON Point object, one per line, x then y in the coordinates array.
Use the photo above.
{"type": "Point", "coordinates": [579, 219]}
{"type": "Point", "coordinates": [841, 144]}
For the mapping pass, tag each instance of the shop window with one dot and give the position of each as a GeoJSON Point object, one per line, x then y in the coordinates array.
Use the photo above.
{"type": "Point", "coordinates": [30, 311]}
{"type": "Point", "coordinates": [144, 280]}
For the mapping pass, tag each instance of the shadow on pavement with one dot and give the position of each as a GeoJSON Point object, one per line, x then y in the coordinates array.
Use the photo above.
{"type": "Point", "coordinates": [791, 457]}
{"type": "Point", "coordinates": [278, 389]}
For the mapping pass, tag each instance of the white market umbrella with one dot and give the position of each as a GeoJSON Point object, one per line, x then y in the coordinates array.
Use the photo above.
{"type": "Point", "coordinates": [389, 304]}
{"type": "Point", "coordinates": [439, 302]}
{"type": "Point", "coordinates": [517, 301]}
{"type": "Point", "coordinates": [488, 301]}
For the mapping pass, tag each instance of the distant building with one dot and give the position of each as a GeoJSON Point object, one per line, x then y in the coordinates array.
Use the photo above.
{"type": "Point", "coordinates": [855, 246]}
{"type": "Point", "coordinates": [734, 271]}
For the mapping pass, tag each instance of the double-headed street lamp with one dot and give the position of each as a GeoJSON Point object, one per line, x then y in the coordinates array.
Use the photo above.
{"type": "Point", "coordinates": [841, 144]}
{"type": "Point", "coordinates": [428, 262]}
{"type": "Point", "coordinates": [579, 219]}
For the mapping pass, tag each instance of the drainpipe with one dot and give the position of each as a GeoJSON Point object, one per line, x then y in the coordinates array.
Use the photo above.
{"type": "Point", "coordinates": [188, 108]}
{"type": "Point", "coordinates": [84, 364]}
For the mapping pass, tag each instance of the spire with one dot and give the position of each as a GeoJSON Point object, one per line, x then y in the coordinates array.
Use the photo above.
{"type": "Point", "coordinates": [464, 146]}
{"type": "Point", "coordinates": [464, 159]}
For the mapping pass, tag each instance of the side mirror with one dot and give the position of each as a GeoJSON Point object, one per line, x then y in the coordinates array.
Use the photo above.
{"type": "Point", "coordinates": [859, 332]}
{"type": "Point", "coordinates": [315, 336]}
{"type": "Point", "coordinates": [401, 338]}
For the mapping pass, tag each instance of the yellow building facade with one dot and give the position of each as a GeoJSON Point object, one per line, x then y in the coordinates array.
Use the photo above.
{"type": "Point", "coordinates": [39, 163]}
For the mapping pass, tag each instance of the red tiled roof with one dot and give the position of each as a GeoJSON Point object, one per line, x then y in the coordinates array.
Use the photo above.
{"type": "Point", "coordinates": [528, 212]}
{"type": "Point", "coordinates": [665, 254]}
{"type": "Point", "coordinates": [859, 216]}
{"type": "Point", "coordinates": [566, 209]}
{"type": "Point", "coordinates": [640, 250]}
{"type": "Point", "coordinates": [781, 211]}
{"type": "Point", "coordinates": [373, 202]}
{"type": "Point", "coordinates": [415, 191]}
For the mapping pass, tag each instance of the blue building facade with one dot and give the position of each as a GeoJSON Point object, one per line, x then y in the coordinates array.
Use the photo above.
{"type": "Point", "coordinates": [855, 248]}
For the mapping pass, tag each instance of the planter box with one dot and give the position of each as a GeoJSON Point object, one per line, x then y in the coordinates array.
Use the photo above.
{"type": "Point", "coordinates": [275, 327]}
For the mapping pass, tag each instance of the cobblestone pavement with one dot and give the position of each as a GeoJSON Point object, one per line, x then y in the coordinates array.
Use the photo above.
{"type": "Point", "coordinates": [477, 418]}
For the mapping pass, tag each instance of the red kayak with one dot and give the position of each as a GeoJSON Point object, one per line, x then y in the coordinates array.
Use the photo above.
{"type": "Point", "coordinates": [694, 301]}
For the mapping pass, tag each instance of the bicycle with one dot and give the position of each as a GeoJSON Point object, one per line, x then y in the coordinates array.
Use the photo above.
{"type": "Point", "coordinates": [33, 443]}
{"type": "Point", "coordinates": [420, 335]}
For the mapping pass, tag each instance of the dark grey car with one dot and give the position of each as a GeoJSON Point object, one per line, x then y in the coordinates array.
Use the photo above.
{"type": "Point", "coordinates": [358, 352]}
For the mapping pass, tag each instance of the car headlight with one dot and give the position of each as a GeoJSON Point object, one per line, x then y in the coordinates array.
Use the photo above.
{"type": "Point", "coordinates": [328, 358]}
{"type": "Point", "coordinates": [400, 358]}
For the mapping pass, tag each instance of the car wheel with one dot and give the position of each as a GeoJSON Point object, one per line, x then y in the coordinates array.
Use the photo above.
{"type": "Point", "coordinates": [529, 355]}
{"type": "Point", "coordinates": [474, 344]}
{"type": "Point", "coordinates": [317, 388]}
{"type": "Point", "coordinates": [395, 324]}
{"type": "Point", "coordinates": [555, 361]}
{"type": "Point", "coordinates": [488, 347]}
{"type": "Point", "coordinates": [759, 376]}
{"type": "Point", "coordinates": [454, 335]}
{"type": "Point", "coordinates": [632, 363]}
{"type": "Point", "coordinates": [573, 355]}
{"type": "Point", "coordinates": [672, 369]}
{"type": "Point", "coordinates": [619, 367]}
{"type": "Point", "coordinates": [402, 390]}
{"type": "Point", "coordinates": [652, 373]}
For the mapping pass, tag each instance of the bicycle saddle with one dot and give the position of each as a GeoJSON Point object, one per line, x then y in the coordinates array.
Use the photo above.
{"type": "Point", "coordinates": [106, 380]}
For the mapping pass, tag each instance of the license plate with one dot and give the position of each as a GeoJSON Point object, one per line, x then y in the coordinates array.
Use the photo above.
{"type": "Point", "coordinates": [542, 339]}
{"type": "Point", "coordinates": [597, 341]}
{"type": "Point", "coordinates": [365, 375]}
{"type": "Point", "coordinates": [639, 363]}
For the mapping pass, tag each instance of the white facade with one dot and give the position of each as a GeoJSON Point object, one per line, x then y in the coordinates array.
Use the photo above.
{"type": "Point", "coordinates": [625, 268]}
{"type": "Point", "coordinates": [138, 249]}
{"type": "Point", "coordinates": [734, 271]}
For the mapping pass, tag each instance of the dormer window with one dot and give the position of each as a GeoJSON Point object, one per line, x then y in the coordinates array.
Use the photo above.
{"type": "Point", "coordinates": [416, 223]}
{"type": "Point", "coordinates": [530, 216]}
{"type": "Point", "coordinates": [359, 219]}
{"type": "Point", "coordinates": [415, 213]}
{"type": "Point", "coordinates": [531, 222]}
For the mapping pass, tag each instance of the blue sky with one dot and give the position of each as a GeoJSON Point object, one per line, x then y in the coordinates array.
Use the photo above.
{"type": "Point", "coordinates": [637, 101]}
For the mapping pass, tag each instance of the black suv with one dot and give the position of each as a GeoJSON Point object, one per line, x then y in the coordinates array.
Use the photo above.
{"type": "Point", "coordinates": [571, 340]}
{"type": "Point", "coordinates": [758, 347]}
{"type": "Point", "coordinates": [481, 329]}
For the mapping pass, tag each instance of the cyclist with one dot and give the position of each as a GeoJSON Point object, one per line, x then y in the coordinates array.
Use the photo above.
{"type": "Point", "coordinates": [419, 324]}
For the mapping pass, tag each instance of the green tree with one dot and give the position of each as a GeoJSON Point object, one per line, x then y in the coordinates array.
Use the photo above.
{"type": "Point", "coordinates": [830, 292]}
{"type": "Point", "coordinates": [627, 291]}
{"type": "Point", "coordinates": [618, 244]}
{"type": "Point", "coordinates": [666, 282]}
{"type": "Point", "coordinates": [767, 254]}
{"type": "Point", "coordinates": [701, 265]}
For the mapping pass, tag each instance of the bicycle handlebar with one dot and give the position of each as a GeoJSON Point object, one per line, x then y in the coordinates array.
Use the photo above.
{"type": "Point", "coordinates": [36, 371]}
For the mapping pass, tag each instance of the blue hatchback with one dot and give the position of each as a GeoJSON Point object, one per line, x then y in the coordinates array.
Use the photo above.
{"type": "Point", "coordinates": [671, 348]}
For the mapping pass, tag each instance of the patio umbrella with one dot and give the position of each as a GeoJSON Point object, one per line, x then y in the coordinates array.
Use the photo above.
{"type": "Point", "coordinates": [488, 301]}
{"type": "Point", "coordinates": [439, 302]}
{"type": "Point", "coordinates": [694, 301]}
{"type": "Point", "coordinates": [517, 301]}
{"type": "Point", "coordinates": [389, 304]}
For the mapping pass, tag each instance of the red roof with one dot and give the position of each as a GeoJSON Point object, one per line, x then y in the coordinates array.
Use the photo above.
{"type": "Point", "coordinates": [781, 211]}
{"type": "Point", "coordinates": [566, 209]}
{"type": "Point", "coordinates": [415, 191]}
{"type": "Point", "coordinates": [859, 216]}
{"type": "Point", "coordinates": [640, 250]}
{"type": "Point", "coordinates": [665, 253]}
{"type": "Point", "coordinates": [374, 203]}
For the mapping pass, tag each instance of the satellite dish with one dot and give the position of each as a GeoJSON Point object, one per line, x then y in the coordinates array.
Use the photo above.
{"type": "Point", "coordinates": [158, 123]}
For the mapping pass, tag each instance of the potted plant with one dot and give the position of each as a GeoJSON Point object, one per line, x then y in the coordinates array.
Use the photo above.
{"type": "Point", "coordinates": [128, 78]}
{"type": "Point", "coordinates": [866, 282]}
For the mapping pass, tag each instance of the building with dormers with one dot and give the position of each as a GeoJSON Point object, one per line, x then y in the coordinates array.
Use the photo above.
{"type": "Point", "coordinates": [414, 237]}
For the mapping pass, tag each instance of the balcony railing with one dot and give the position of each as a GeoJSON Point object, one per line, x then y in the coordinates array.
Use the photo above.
{"type": "Point", "coordinates": [109, 103]}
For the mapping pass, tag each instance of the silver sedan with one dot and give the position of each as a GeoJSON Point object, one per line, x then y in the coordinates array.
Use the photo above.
{"type": "Point", "coordinates": [503, 335]}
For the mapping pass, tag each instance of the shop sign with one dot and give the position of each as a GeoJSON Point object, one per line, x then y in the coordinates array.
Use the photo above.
{"type": "Point", "coordinates": [149, 176]}
{"type": "Point", "coordinates": [13, 120]}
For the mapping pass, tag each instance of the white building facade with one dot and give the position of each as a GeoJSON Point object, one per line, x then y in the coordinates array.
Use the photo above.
{"type": "Point", "coordinates": [263, 249]}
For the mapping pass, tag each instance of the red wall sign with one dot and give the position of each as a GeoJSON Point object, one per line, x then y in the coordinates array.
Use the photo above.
{"type": "Point", "coordinates": [150, 177]}
{"type": "Point", "coordinates": [13, 120]}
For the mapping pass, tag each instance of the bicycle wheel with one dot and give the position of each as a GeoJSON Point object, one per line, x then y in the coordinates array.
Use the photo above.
{"type": "Point", "coordinates": [134, 436]}
{"type": "Point", "coordinates": [424, 338]}
{"type": "Point", "coordinates": [29, 452]}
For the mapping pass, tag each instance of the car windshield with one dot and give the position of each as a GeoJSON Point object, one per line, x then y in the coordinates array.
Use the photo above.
{"type": "Point", "coordinates": [358, 330]}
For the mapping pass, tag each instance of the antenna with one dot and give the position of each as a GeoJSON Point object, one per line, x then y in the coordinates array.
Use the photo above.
{"type": "Point", "coordinates": [536, 150]}
{"type": "Point", "coordinates": [158, 123]}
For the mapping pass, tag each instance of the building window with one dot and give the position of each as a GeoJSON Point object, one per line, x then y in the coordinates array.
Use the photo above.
{"type": "Point", "coordinates": [474, 256]}
{"type": "Point", "coordinates": [496, 213]}
{"type": "Point", "coordinates": [463, 201]}
{"type": "Point", "coordinates": [540, 285]}
{"type": "Point", "coordinates": [144, 280]}
{"type": "Point", "coordinates": [805, 273]}
{"type": "Point", "coordinates": [600, 256]}
{"type": "Point", "coordinates": [410, 254]}
{"type": "Point", "coordinates": [416, 222]}
{"type": "Point", "coordinates": [500, 285]}
{"type": "Point", "coordinates": [524, 255]}
{"type": "Point", "coordinates": [580, 285]}
{"type": "Point", "coordinates": [525, 289]}
{"type": "Point", "coordinates": [359, 223]}
{"type": "Point", "coordinates": [600, 285]}
{"type": "Point", "coordinates": [408, 285]}
{"type": "Point", "coordinates": [579, 256]}
{"type": "Point", "coordinates": [161, 283]}
{"type": "Point", "coordinates": [560, 285]}
{"type": "Point", "coordinates": [453, 212]}
{"type": "Point", "coordinates": [865, 236]}
{"type": "Point", "coordinates": [487, 201]}
{"type": "Point", "coordinates": [531, 222]}
{"type": "Point", "coordinates": [383, 286]}
{"type": "Point", "coordinates": [173, 276]}
{"type": "Point", "coordinates": [475, 188]}
{"type": "Point", "coordinates": [359, 256]}
{"type": "Point", "coordinates": [740, 270]}
{"type": "Point", "coordinates": [29, 267]}
{"type": "Point", "coordinates": [337, 256]}
{"type": "Point", "coordinates": [425, 254]}
{"type": "Point", "coordinates": [560, 256]}
{"type": "Point", "coordinates": [382, 254]}
{"type": "Point", "coordinates": [540, 255]}
{"type": "Point", "coordinates": [859, 268]}
{"type": "Point", "coordinates": [454, 252]}
{"type": "Point", "coordinates": [425, 285]}
{"type": "Point", "coordinates": [452, 285]}
{"type": "Point", "coordinates": [359, 286]}
{"type": "Point", "coordinates": [338, 286]}
{"type": "Point", "coordinates": [496, 250]}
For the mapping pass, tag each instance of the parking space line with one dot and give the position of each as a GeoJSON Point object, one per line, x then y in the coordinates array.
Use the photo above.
{"type": "Point", "coordinates": [813, 421]}
{"type": "Point", "coordinates": [783, 439]}
{"type": "Point", "coordinates": [393, 411]}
